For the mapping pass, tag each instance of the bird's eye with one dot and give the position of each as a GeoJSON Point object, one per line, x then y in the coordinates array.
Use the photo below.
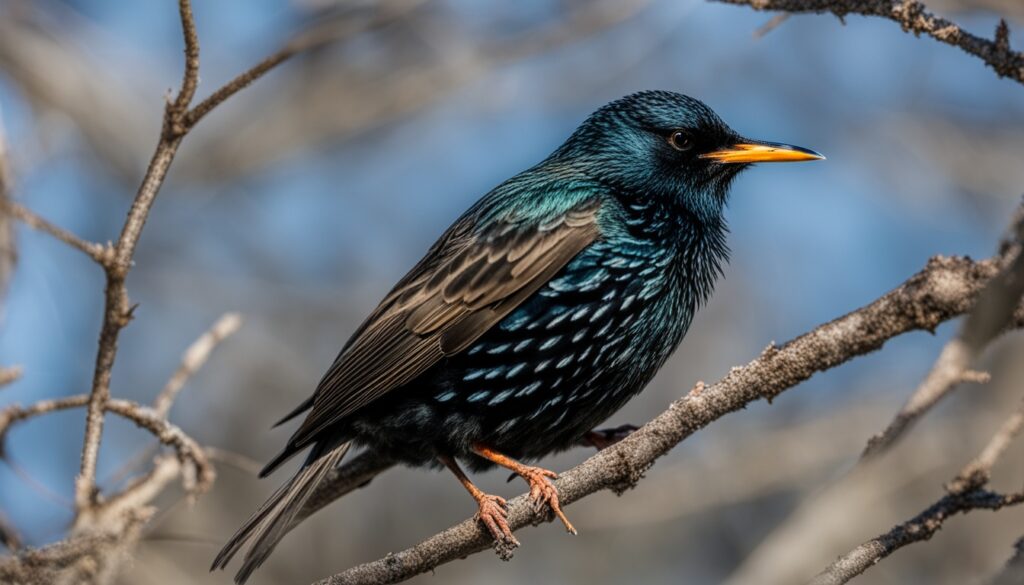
{"type": "Point", "coordinates": [680, 140]}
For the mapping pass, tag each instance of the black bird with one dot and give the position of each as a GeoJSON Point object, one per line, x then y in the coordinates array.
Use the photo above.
{"type": "Point", "coordinates": [540, 312]}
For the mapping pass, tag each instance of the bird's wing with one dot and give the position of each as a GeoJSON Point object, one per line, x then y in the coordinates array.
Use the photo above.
{"type": "Point", "coordinates": [467, 282]}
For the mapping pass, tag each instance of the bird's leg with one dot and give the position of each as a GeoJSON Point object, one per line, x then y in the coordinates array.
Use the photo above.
{"type": "Point", "coordinates": [604, 438]}
{"type": "Point", "coordinates": [492, 510]}
{"type": "Point", "coordinates": [542, 491]}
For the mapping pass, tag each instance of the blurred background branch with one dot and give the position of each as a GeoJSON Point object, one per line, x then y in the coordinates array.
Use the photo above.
{"type": "Point", "coordinates": [966, 493]}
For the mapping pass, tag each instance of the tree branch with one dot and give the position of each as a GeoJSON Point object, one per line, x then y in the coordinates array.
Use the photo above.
{"type": "Point", "coordinates": [117, 310]}
{"type": "Point", "coordinates": [994, 311]}
{"type": "Point", "coordinates": [9, 374]}
{"type": "Point", "coordinates": [912, 16]}
{"type": "Point", "coordinates": [965, 493]}
{"type": "Point", "coordinates": [194, 358]}
{"type": "Point", "coordinates": [945, 288]}
{"type": "Point", "coordinates": [98, 252]}
{"type": "Point", "coordinates": [319, 36]}
{"type": "Point", "coordinates": [178, 121]}
{"type": "Point", "coordinates": [8, 249]}
{"type": "Point", "coordinates": [168, 434]}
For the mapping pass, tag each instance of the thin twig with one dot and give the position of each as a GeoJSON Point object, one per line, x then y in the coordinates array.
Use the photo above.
{"type": "Point", "coordinates": [202, 474]}
{"type": "Point", "coordinates": [8, 248]}
{"type": "Point", "coordinates": [919, 528]}
{"type": "Point", "coordinates": [385, 13]}
{"type": "Point", "coordinates": [117, 309]}
{"type": "Point", "coordinates": [37, 485]}
{"type": "Point", "coordinates": [912, 16]}
{"type": "Point", "coordinates": [978, 472]}
{"type": "Point", "coordinates": [945, 288]}
{"type": "Point", "coordinates": [190, 78]}
{"type": "Point", "coordinates": [965, 494]}
{"type": "Point", "coordinates": [103, 530]}
{"type": "Point", "coordinates": [772, 24]}
{"type": "Point", "coordinates": [194, 358]}
{"type": "Point", "coordinates": [98, 252]}
{"type": "Point", "coordinates": [168, 434]}
{"type": "Point", "coordinates": [244, 79]}
{"type": "Point", "coordinates": [233, 459]}
{"type": "Point", "coordinates": [9, 374]}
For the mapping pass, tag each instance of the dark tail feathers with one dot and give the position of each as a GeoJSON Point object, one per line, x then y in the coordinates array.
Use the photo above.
{"type": "Point", "coordinates": [274, 518]}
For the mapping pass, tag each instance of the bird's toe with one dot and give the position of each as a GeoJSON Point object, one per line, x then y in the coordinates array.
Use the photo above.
{"type": "Point", "coordinates": [545, 494]}
{"type": "Point", "coordinates": [493, 512]}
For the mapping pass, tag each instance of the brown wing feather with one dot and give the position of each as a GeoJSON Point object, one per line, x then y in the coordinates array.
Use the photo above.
{"type": "Point", "coordinates": [462, 288]}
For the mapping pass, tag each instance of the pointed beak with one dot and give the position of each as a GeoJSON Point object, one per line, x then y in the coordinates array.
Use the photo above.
{"type": "Point", "coordinates": [758, 152]}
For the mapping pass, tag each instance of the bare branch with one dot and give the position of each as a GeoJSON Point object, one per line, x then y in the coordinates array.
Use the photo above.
{"type": "Point", "coordinates": [994, 310]}
{"type": "Point", "coordinates": [9, 374]}
{"type": "Point", "coordinates": [319, 36]}
{"type": "Point", "coordinates": [190, 78]}
{"type": "Point", "coordinates": [237, 460]}
{"type": "Point", "coordinates": [201, 475]}
{"type": "Point", "coordinates": [84, 558]}
{"type": "Point", "coordinates": [912, 16]}
{"type": "Point", "coordinates": [168, 434]}
{"type": "Point", "coordinates": [977, 473]}
{"type": "Point", "coordinates": [194, 358]}
{"type": "Point", "coordinates": [921, 527]}
{"type": "Point", "coordinates": [104, 530]}
{"type": "Point", "coordinates": [117, 310]}
{"type": "Point", "coordinates": [966, 493]}
{"type": "Point", "coordinates": [98, 252]}
{"type": "Point", "coordinates": [945, 288]}
{"type": "Point", "coordinates": [8, 249]}
{"type": "Point", "coordinates": [772, 24]}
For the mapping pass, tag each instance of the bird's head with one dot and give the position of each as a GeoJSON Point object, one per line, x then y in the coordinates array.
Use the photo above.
{"type": "Point", "coordinates": [668, 145]}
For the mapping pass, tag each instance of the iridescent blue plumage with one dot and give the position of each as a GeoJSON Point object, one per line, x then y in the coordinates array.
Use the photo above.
{"type": "Point", "coordinates": [576, 351]}
{"type": "Point", "coordinates": [539, 313]}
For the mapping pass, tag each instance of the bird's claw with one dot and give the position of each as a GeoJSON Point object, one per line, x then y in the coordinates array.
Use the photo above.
{"type": "Point", "coordinates": [493, 512]}
{"type": "Point", "coordinates": [544, 493]}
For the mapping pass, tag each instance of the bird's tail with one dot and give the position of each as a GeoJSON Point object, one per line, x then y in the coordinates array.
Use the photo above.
{"type": "Point", "coordinates": [268, 525]}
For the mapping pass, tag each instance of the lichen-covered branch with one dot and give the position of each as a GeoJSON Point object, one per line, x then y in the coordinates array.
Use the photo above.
{"type": "Point", "coordinates": [913, 17]}
{"type": "Point", "coordinates": [946, 288]}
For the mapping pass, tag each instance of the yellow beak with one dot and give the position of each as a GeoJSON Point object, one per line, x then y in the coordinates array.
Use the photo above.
{"type": "Point", "coordinates": [756, 152]}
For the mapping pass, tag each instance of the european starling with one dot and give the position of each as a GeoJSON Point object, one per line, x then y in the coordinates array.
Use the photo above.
{"type": "Point", "coordinates": [539, 313]}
